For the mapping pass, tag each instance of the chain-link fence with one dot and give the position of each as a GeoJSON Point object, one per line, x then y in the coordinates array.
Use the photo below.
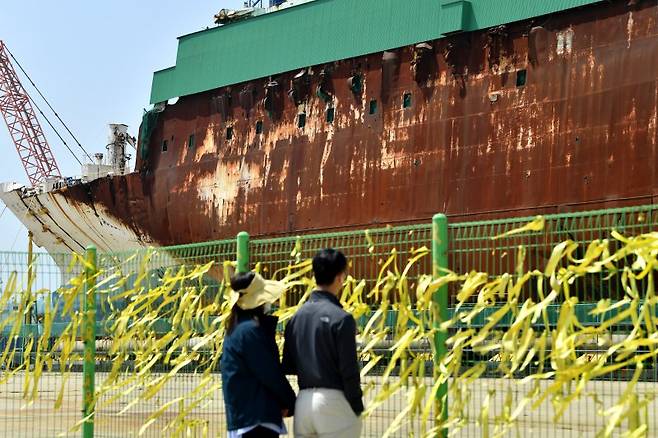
{"type": "Point", "coordinates": [492, 247]}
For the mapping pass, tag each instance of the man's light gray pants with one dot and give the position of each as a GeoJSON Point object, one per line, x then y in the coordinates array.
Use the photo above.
{"type": "Point", "coordinates": [325, 413]}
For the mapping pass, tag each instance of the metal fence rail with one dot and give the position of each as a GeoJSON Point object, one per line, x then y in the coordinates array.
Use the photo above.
{"type": "Point", "coordinates": [471, 247]}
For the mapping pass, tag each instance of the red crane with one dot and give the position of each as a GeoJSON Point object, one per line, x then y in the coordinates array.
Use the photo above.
{"type": "Point", "coordinates": [32, 146]}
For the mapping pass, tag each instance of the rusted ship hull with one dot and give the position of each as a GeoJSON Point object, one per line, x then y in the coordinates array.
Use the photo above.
{"type": "Point", "coordinates": [552, 114]}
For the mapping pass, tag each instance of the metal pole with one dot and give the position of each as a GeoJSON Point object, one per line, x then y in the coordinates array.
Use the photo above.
{"type": "Point", "coordinates": [440, 307]}
{"type": "Point", "coordinates": [28, 316]}
{"type": "Point", "coordinates": [89, 337]}
{"type": "Point", "coordinates": [243, 251]}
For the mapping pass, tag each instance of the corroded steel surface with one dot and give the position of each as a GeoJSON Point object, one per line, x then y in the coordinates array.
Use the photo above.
{"type": "Point", "coordinates": [475, 141]}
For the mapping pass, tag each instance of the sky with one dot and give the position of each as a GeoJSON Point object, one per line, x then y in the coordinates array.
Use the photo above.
{"type": "Point", "coordinates": [94, 62]}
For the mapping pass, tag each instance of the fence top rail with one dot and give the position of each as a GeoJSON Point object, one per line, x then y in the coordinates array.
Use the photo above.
{"type": "Point", "coordinates": [24, 253]}
{"type": "Point", "coordinates": [375, 231]}
{"type": "Point", "coordinates": [197, 245]}
{"type": "Point", "coordinates": [338, 234]}
{"type": "Point", "coordinates": [557, 216]}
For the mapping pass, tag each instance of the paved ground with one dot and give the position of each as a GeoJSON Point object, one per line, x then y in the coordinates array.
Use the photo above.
{"type": "Point", "coordinates": [41, 420]}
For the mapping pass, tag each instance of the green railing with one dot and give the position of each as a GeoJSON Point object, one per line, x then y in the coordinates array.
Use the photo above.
{"type": "Point", "coordinates": [471, 246]}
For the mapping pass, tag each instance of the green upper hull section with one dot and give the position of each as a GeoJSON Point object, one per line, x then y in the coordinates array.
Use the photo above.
{"type": "Point", "coordinates": [325, 31]}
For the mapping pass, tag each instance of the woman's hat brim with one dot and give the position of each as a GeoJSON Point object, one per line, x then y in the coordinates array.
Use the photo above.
{"type": "Point", "coordinates": [259, 292]}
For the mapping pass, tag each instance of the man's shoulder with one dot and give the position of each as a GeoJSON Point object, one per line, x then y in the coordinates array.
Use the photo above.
{"type": "Point", "coordinates": [342, 314]}
{"type": "Point", "coordinates": [323, 306]}
{"type": "Point", "coordinates": [324, 309]}
{"type": "Point", "coordinates": [345, 319]}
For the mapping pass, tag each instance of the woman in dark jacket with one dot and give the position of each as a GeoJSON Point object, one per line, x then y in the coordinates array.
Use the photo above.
{"type": "Point", "coordinates": [257, 394]}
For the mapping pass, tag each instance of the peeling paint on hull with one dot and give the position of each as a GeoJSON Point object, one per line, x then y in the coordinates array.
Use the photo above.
{"type": "Point", "coordinates": [476, 142]}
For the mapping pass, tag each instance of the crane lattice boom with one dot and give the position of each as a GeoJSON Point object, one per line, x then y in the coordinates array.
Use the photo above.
{"type": "Point", "coordinates": [23, 125]}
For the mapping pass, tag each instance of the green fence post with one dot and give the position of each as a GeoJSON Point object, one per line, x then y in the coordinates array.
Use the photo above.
{"type": "Point", "coordinates": [89, 338]}
{"type": "Point", "coordinates": [440, 307]}
{"type": "Point", "coordinates": [243, 251]}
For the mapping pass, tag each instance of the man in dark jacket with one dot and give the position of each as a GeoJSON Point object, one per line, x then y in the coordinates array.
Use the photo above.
{"type": "Point", "coordinates": [256, 392]}
{"type": "Point", "coordinates": [320, 348]}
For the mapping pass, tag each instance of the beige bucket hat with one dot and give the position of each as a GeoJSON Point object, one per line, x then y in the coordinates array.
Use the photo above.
{"type": "Point", "coordinates": [259, 292]}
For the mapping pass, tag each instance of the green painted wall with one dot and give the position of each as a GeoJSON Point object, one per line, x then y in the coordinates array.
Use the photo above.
{"type": "Point", "coordinates": [324, 31]}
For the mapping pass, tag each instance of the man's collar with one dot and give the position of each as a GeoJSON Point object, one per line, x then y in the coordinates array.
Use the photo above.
{"type": "Point", "coordinates": [319, 294]}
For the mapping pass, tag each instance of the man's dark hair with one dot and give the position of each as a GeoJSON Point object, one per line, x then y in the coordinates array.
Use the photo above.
{"type": "Point", "coordinates": [327, 264]}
